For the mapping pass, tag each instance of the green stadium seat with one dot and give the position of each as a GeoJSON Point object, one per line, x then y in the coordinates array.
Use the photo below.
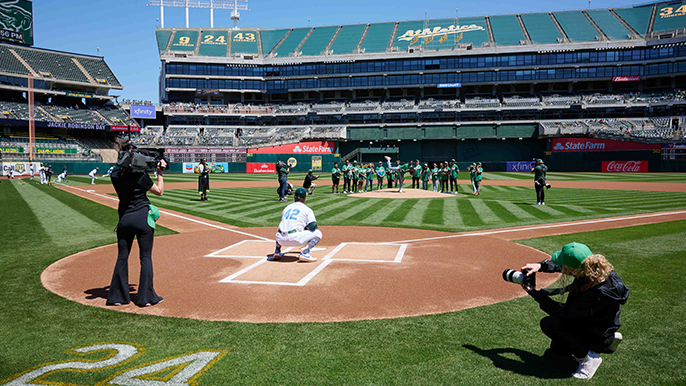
{"type": "Point", "coordinates": [292, 42]}
{"type": "Point", "coordinates": [270, 38]}
{"type": "Point", "coordinates": [163, 39]}
{"type": "Point", "coordinates": [541, 28]}
{"type": "Point", "coordinates": [98, 69]}
{"type": "Point", "coordinates": [9, 63]}
{"type": "Point", "coordinates": [638, 18]}
{"type": "Point", "coordinates": [506, 30]}
{"type": "Point", "coordinates": [318, 40]}
{"type": "Point", "coordinates": [377, 37]}
{"type": "Point", "coordinates": [347, 39]}
{"type": "Point", "coordinates": [576, 26]}
{"type": "Point", "coordinates": [607, 22]}
{"type": "Point", "coordinates": [58, 65]}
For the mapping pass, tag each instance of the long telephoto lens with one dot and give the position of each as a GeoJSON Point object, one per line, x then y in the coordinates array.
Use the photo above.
{"type": "Point", "coordinates": [513, 276]}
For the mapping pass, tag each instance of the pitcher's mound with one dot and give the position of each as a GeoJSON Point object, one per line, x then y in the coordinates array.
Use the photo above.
{"type": "Point", "coordinates": [407, 193]}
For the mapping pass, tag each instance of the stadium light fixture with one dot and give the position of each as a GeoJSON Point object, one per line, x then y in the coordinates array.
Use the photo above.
{"type": "Point", "coordinates": [233, 5]}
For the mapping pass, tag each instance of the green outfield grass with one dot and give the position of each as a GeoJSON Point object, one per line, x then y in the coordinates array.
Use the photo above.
{"type": "Point", "coordinates": [498, 344]}
{"type": "Point", "coordinates": [497, 206]}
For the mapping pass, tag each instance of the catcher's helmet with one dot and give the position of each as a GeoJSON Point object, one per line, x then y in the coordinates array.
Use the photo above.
{"type": "Point", "coordinates": [300, 193]}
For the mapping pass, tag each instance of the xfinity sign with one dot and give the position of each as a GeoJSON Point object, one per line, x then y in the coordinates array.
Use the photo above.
{"type": "Point", "coordinates": [143, 112]}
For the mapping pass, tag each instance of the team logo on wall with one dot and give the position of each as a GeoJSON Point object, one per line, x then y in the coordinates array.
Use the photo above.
{"type": "Point", "coordinates": [429, 33]}
{"type": "Point", "coordinates": [292, 162]}
{"type": "Point", "coordinates": [20, 168]}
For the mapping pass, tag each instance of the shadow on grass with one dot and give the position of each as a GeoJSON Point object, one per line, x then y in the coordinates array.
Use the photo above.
{"type": "Point", "coordinates": [528, 364]}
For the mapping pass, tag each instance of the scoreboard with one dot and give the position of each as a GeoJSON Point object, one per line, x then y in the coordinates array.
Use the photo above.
{"type": "Point", "coordinates": [674, 152]}
{"type": "Point", "coordinates": [211, 155]}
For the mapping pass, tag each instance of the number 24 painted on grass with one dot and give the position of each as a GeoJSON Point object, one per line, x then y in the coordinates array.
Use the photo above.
{"type": "Point", "coordinates": [183, 369]}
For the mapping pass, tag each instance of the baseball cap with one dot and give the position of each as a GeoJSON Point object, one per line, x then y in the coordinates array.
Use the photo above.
{"type": "Point", "coordinates": [452, 160]}
{"type": "Point", "coordinates": [300, 193]}
{"type": "Point", "coordinates": [153, 215]}
{"type": "Point", "coordinates": [572, 255]}
{"type": "Point", "coordinates": [539, 161]}
{"type": "Point", "coordinates": [309, 171]}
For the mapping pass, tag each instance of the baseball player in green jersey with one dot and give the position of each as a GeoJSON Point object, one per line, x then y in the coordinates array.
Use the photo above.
{"type": "Point", "coordinates": [426, 174]}
{"type": "Point", "coordinates": [477, 178]}
{"type": "Point", "coordinates": [380, 173]}
{"type": "Point", "coordinates": [335, 178]}
{"type": "Point", "coordinates": [401, 169]}
{"type": "Point", "coordinates": [370, 177]}
{"type": "Point", "coordinates": [454, 171]}
{"type": "Point", "coordinates": [416, 172]}
{"type": "Point", "coordinates": [355, 175]}
{"type": "Point", "coordinates": [434, 177]}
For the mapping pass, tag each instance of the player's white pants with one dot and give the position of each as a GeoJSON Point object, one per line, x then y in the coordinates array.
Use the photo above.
{"type": "Point", "coordinates": [298, 238]}
{"type": "Point", "coordinates": [474, 185]}
{"type": "Point", "coordinates": [42, 177]}
{"type": "Point", "coordinates": [93, 178]}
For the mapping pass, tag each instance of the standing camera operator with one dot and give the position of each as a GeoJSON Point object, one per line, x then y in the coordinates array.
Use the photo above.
{"type": "Point", "coordinates": [540, 170]}
{"type": "Point", "coordinates": [203, 179]}
{"type": "Point", "coordinates": [282, 171]}
{"type": "Point", "coordinates": [587, 322]}
{"type": "Point", "coordinates": [136, 219]}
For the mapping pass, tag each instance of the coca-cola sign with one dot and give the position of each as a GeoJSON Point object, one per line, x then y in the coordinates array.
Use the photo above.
{"type": "Point", "coordinates": [625, 166]}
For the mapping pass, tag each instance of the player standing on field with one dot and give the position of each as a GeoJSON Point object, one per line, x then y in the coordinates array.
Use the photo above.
{"type": "Point", "coordinates": [347, 176]}
{"type": "Point", "coordinates": [298, 227]}
{"type": "Point", "coordinates": [336, 178]}
{"type": "Point", "coordinates": [380, 173]}
{"type": "Point", "coordinates": [400, 169]}
{"type": "Point", "coordinates": [477, 178]}
{"type": "Point", "coordinates": [434, 177]}
{"type": "Point", "coordinates": [92, 175]}
{"type": "Point", "coordinates": [454, 171]}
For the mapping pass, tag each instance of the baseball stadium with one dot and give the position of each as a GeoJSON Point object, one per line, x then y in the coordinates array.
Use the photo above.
{"type": "Point", "coordinates": [435, 154]}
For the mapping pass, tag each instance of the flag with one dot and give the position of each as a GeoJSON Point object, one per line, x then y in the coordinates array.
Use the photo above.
{"type": "Point", "coordinates": [414, 39]}
{"type": "Point", "coordinates": [443, 38]}
{"type": "Point", "coordinates": [458, 38]}
{"type": "Point", "coordinates": [428, 39]}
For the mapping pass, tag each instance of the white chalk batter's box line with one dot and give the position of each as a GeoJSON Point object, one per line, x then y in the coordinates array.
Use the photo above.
{"type": "Point", "coordinates": [325, 261]}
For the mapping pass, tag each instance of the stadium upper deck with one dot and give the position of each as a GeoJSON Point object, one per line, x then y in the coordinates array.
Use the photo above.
{"type": "Point", "coordinates": [602, 28]}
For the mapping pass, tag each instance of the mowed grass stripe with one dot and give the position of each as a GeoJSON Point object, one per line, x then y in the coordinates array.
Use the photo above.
{"type": "Point", "coordinates": [504, 214]}
{"type": "Point", "coordinates": [434, 212]}
{"type": "Point", "coordinates": [343, 216]}
{"type": "Point", "coordinates": [550, 210]}
{"type": "Point", "coordinates": [451, 214]}
{"type": "Point", "coordinates": [486, 214]}
{"type": "Point", "coordinates": [400, 213]}
{"type": "Point", "coordinates": [516, 210]}
{"type": "Point", "coordinates": [379, 216]}
{"type": "Point", "coordinates": [60, 222]}
{"type": "Point", "coordinates": [539, 214]}
{"type": "Point", "coordinates": [376, 206]}
{"type": "Point", "coordinates": [416, 212]}
{"type": "Point", "coordinates": [469, 215]}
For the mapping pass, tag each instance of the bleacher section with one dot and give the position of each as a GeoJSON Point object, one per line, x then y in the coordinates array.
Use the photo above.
{"type": "Point", "coordinates": [609, 24]}
{"type": "Point", "coordinates": [377, 37]}
{"type": "Point", "coordinates": [636, 129]}
{"type": "Point", "coordinates": [638, 18]}
{"type": "Point", "coordinates": [669, 17]}
{"type": "Point", "coordinates": [9, 63]}
{"type": "Point", "coordinates": [213, 43]}
{"type": "Point", "coordinates": [48, 147]}
{"type": "Point", "coordinates": [347, 39]}
{"type": "Point", "coordinates": [270, 38]}
{"type": "Point", "coordinates": [108, 115]}
{"type": "Point", "coordinates": [541, 28]}
{"type": "Point", "coordinates": [244, 42]}
{"type": "Point", "coordinates": [288, 46]}
{"type": "Point", "coordinates": [506, 30]}
{"type": "Point", "coordinates": [317, 41]}
{"type": "Point", "coordinates": [184, 41]}
{"type": "Point", "coordinates": [576, 26]}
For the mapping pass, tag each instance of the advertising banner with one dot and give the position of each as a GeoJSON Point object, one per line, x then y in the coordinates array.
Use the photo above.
{"type": "Point", "coordinates": [16, 21]}
{"type": "Point", "coordinates": [314, 147]}
{"type": "Point", "coordinates": [143, 112]}
{"type": "Point", "coordinates": [520, 166]}
{"type": "Point", "coordinates": [625, 167]}
{"type": "Point", "coordinates": [14, 150]}
{"type": "Point", "coordinates": [73, 125]}
{"type": "Point", "coordinates": [593, 144]}
{"type": "Point", "coordinates": [260, 167]}
{"type": "Point", "coordinates": [199, 150]}
{"type": "Point", "coordinates": [20, 168]}
{"type": "Point", "coordinates": [626, 78]}
{"type": "Point", "coordinates": [449, 85]}
{"type": "Point", "coordinates": [674, 145]}
{"type": "Point", "coordinates": [216, 167]}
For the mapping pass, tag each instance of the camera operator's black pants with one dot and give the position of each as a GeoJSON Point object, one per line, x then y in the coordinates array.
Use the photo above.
{"type": "Point", "coordinates": [453, 184]}
{"type": "Point", "coordinates": [570, 339]}
{"type": "Point", "coordinates": [415, 180]}
{"type": "Point", "coordinates": [346, 184]}
{"type": "Point", "coordinates": [134, 224]}
{"type": "Point", "coordinates": [540, 191]}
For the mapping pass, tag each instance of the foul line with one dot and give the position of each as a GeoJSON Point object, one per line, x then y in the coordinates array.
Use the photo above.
{"type": "Point", "coordinates": [548, 226]}
{"type": "Point", "coordinates": [178, 216]}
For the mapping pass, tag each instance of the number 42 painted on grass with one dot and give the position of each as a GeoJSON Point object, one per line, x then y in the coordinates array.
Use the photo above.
{"type": "Point", "coordinates": [176, 371]}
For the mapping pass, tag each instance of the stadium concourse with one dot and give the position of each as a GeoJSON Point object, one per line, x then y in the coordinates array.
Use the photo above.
{"type": "Point", "coordinates": [361, 272]}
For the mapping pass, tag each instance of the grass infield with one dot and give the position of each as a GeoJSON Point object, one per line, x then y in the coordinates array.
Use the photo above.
{"type": "Point", "coordinates": [500, 344]}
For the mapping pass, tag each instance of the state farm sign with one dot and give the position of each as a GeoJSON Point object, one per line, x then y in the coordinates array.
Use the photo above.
{"type": "Point", "coordinates": [312, 147]}
{"type": "Point", "coordinates": [625, 166]}
{"type": "Point", "coordinates": [594, 144]}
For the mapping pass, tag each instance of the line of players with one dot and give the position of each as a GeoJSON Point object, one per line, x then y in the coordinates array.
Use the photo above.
{"type": "Point", "coordinates": [443, 176]}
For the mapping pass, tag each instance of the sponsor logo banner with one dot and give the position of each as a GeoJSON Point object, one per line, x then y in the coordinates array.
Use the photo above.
{"type": "Point", "coordinates": [519, 166]}
{"type": "Point", "coordinates": [260, 167]}
{"type": "Point", "coordinates": [593, 144]}
{"type": "Point", "coordinates": [20, 168]}
{"type": "Point", "coordinates": [449, 85]}
{"type": "Point", "coordinates": [625, 167]}
{"type": "Point", "coordinates": [674, 145]}
{"type": "Point", "coordinates": [315, 147]}
{"type": "Point", "coordinates": [626, 78]}
{"type": "Point", "coordinates": [216, 167]}
{"type": "Point", "coordinates": [224, 151]}
{"type": "Point", "coordinates": [79, 95]}
{"type": "Point", "coordinates": [11, 149]}
{"type": "Point", "coordinates": [142, 111]}
{"type": "Point", "coordinates": [125, 128]}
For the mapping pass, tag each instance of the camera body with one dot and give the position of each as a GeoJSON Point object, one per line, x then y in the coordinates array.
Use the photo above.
{"type": "Point", "coordinates": [141, 160]}
{"type": "Point", "coordinates": [520, 277]}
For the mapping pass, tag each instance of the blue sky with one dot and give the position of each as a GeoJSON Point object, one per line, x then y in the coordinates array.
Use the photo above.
{"type": "Point", "coordinates": [124, 30]}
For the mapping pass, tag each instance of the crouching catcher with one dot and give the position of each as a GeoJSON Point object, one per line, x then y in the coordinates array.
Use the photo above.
{"type": "Point", "coordinates": [298, 227]}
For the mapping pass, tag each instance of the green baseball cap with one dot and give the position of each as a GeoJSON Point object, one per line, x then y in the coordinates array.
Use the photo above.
{"type": "Point", "coordinates": [572, 255]}
{"type": "Point", "coordinates": [539, 161]}
{"type": "Point", "coordinates": [153, 215]}
{"type": "Point", "coordinates": [452, 160]}
{"type": "Point", "coordinates": [309, 171]}
{"type": "Point", "coordinates": [300, 193]}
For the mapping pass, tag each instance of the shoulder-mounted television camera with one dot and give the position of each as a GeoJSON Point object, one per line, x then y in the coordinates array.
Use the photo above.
{"type": "Point", "coordinates": [141, 160]}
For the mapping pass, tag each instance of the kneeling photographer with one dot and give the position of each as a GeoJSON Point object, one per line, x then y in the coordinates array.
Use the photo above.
{"type": "Point", "coordinates": [587, 323]}
{"type": "Point", "coordinates": [136, 220]}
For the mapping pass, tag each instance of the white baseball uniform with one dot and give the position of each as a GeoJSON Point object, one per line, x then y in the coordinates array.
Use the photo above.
{"type": "Point", "coordinates": [294, 219]}
{"type": "Point", "coordinates": [31, 171]}
{"type": "Point", "coordinates": [92, 176]}
{"type": "Point", "coordinates": [41, 172]}
{"type": "Point", "coordinates": [62, 176]}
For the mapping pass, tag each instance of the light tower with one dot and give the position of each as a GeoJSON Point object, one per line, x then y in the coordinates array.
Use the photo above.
{"type": "Point", "coordinates": [233, 5]}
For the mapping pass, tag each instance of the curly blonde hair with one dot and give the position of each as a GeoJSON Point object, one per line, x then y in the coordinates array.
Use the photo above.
{"type": "Point", "coordinates": [595, 267]}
